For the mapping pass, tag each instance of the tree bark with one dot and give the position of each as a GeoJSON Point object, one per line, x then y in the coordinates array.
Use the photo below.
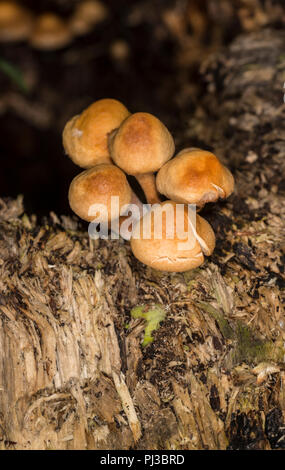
{"type": "Point", "coordinates": [73, 373]}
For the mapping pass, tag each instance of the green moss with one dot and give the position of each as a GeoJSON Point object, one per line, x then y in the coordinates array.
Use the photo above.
{"type": "Point", "coordinates": [252, 67]}
{"type": "Point", "coordinates": [190, 275]}
{"type": "Point", "coordinates": [153, 317]}
{"type": "Point", "coordinates": [251, 349]}
{"type": "Point", "coordinates": [281, 58]}
{"type": "Point", "coordinates": [247, 347]}
{"type": "Point", "coordinates": [226, 329]}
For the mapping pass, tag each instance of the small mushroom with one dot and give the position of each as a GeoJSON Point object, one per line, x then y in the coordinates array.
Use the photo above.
{"type": "Point", "coordinates": [96, 186]}
{"type": "Point", "coordinates": [140, 146]}
{"type": "Point", "coordinates": [50, 32]}
{"type": "Point", "coordinates": [120, 50]}
{"type": "Point", "coordinates": [171, 253]}
{"type": "Point", "coordinates": [195, 176]}
{"type": "Point", "coordinates": [86, 15]}
{"type": "Point", "coordinates": [15, 22]}
{"type": "Point", "coordinates": [85, 135]}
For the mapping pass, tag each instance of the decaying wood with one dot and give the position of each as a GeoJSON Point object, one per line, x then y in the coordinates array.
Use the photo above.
{"type": "Point", "coordinates": [73, 373]}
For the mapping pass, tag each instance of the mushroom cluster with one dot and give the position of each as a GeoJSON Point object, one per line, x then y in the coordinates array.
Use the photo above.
{"type": "Point", "coordinates": [48, 31]}
{"type": "Point", "coordinates": [109, 143]}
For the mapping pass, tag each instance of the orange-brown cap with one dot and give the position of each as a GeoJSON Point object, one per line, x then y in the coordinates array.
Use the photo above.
{"type": "Point", "coordinates": [15, 22]}
{"type": "Point", "coordinates": [96, 186]}
{"type": "Point", "coordinates": [141, 145]}
{"type": "Point", "coordinates": [195, 176]}
{"type": "Point", "coordinates": [50, 32]}
{"type": "Point", "coordinates": [85, 136]}
{"type": "Point", "coordinates": [171, 253]}
{"type": "Point", "coordinates": [86, 15]}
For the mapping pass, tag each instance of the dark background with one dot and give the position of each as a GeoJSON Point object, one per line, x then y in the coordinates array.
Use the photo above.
{"type": "Point", "coordinates": [165, 42]}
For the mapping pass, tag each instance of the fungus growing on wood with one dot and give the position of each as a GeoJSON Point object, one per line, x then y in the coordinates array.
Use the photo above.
{"type": "Point", "coordinates": [109, 141]}
{"type": "Point", "coordinates": [140, 146]}
{"type": "Point", "coordinates": [195, 176]}
{"type": "Point", "coordinates": [169, 252]}
{"type": "Point", "coordinates": [85, 135]}
{"type": "Point", "coordinates": [96, 186]}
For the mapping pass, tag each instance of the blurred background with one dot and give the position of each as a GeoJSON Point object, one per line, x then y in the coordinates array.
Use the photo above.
{"type": "Point", "coordinates": [146, 53]}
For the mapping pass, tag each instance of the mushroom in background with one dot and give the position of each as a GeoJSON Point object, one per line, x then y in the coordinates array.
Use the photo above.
{"type": "Point", "coordinates": [15, 22]}
{"type": "Point", "coordinates": [172, 254]}
{"type": "Point", "coordinates": [140, 146]}
{"type": "Point", "coordinates": [86, 15]}
{"type": "Point", "coordinates": [195, 176]}
{"type": "Point", "coordinates": [85, 135]}
{"type": "Point", "coordinates": [119, 50]}
{"type": "Point", "coordinates": [50, 32]}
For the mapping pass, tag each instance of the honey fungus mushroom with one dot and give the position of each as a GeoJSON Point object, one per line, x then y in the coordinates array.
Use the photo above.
{"type": "Point", "coordinates": [172, 254]}
{"type": "Point", "coordinates": [97, 186]}
{"type": "Point", "coordinates": [85, 135]}
{"type": "Point", "coordinates": [87, 14]}
{"type": "Point", "coordinates": [50, 32]}
{"type": "Point", "coordinates": [140, 146]}
{"type": "Point", "coordinates": [195, 176]}
{"type": "Point", "coordinates": [15, 22]}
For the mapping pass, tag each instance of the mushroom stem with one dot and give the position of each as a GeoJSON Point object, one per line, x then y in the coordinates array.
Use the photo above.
{"type": "Point", "coordinates": [147, 182]}
{"type": "Point", "coordinates": [136, 200]}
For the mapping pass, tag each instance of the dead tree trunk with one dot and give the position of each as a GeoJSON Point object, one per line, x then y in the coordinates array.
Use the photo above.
{"type": "Point", "coordinates": [73, 373]}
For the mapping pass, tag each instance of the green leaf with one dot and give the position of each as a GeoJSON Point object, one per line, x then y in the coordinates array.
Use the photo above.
{"type": "Point", "coordinates": [153, 317]}
{"type": "Point", "coordinates": [15, 74]}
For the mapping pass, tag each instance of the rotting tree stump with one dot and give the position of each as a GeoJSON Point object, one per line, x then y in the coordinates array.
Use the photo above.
{"type": "Point", "coordinates": [73, 374]}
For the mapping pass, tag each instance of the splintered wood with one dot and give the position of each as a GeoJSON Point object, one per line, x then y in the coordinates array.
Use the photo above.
{"type": "Point", "coordinates": [73, 372]}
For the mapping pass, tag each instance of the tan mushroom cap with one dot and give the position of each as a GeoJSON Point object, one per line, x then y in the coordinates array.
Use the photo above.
{"type": "Point", "coordinates": [86, 15]}
{"type": "Point", "coordinates": [96, 186]}
{"type": "Point", "coordinates": [119, 50]}
{"type": "Point", "coordinates": [141, 145]}
{"type": "Point", "coordinates": [195, 176]}
{"type": "Point", "coordinates": [15, 22]}
{"type": "Point", "coordinates": [50, 32]}
{"type": "Point", "coordinates": [172, 255]}
{"type": "Point", "coordinates": [85, 136]}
